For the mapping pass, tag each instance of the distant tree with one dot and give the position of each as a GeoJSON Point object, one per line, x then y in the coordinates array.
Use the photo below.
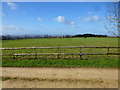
{"type": "Point", "coordinates": [68, 36]}
{"type": "Point", "coordinates": [37, 36]}
{"type": "Point", "coordinates": [26, 37]}
{"type": "Point", "coordinates": [46, 36]}
{"type": "Point", "coordinates": [9, 37]}
{"type": "Point", "coordinates": [4, 37]}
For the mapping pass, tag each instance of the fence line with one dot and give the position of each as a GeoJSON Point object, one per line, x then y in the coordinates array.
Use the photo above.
{"type": "Point", "coordinates": [59, 53]}
{"type": "Point", "coordinates": [57, 47]}
{"type": "Point", "coordinates": [62, 54]}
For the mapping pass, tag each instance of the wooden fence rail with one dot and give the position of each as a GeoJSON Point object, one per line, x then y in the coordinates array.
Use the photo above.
{"type": "Point", "coordinates": [56, 47]}
{"type": "Point", "coordinates": [57, 54]}
{"type": "Point", "coordinates": [24, 54]}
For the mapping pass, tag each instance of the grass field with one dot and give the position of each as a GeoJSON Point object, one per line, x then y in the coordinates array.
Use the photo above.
{"type": "Point", "coordinates": [95, 61]}
{"type": "Point", "coordinates": [61, 42]}
{"type": "Point", "coordinates": [104, 63]}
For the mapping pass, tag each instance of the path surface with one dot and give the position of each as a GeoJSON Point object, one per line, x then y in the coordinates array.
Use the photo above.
{"type": "Point", "coordinates": [61, 77]}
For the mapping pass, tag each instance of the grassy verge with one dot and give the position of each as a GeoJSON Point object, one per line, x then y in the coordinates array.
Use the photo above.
{"type": "Point", "coordinates": [103, 63]}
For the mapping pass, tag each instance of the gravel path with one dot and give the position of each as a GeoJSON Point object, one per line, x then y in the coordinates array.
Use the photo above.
{"type": "Point", "coordinates": [61, 77]}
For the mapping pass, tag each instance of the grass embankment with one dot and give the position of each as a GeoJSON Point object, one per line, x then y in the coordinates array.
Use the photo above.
{"type": "Point", "coordinates": [106, 63]}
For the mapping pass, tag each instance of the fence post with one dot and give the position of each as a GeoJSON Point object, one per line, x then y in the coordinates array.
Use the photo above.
{"type": "Point", "coordinates": [81, 53]}
{"type": "Point", "coordinates": [58, 53]}
{"type": "Point", "coordinates": [108, 51]}
{"type": "Point", "coordinates": [35, 52]}
{"type": "Point", "coordinates": [13, 53]}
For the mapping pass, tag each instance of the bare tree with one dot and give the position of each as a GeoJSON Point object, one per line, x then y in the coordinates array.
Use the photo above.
{"type": "Point", "coordinates": [113, 19]}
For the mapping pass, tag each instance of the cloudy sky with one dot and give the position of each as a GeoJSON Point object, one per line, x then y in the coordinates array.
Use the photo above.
{"type": "Point", "coordinates": [54, 18]}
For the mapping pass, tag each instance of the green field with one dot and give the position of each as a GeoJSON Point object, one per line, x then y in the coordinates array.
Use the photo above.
{"type": "Point", "coordinates": [106, 63]}
{"type": "Point", "coordinates": [92, 61]}
{"type": "Point", "coordinates": [61, 42]}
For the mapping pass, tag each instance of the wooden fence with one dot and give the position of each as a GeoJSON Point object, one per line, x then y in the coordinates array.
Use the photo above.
{"type": "Point", "coordinates": [73, 52]}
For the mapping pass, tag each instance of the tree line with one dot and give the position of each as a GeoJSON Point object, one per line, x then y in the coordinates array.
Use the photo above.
{"type": "Point", "coordinates": [10, 37]}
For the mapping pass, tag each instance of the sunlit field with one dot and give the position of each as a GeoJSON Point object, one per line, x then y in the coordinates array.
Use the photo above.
{"type": "Point", "coordinates": [88, 61]}
{"type": "Point", "coordinates": [60, 42]}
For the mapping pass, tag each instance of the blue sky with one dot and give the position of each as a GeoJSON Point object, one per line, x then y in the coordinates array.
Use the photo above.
{"type": "Point", "coordinates": [54, 18]}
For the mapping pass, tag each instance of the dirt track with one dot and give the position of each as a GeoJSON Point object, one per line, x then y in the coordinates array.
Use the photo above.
{"type": "Point", "coordinates": [60, 78]}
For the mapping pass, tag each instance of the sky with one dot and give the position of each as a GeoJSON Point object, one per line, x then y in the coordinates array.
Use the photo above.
{"type": "Point", "coordinates": [54, 18]}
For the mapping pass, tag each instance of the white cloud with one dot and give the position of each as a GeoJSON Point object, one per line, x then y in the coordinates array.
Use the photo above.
{"type": "Point", "coordinates": [92, 18]}
{"type": "Point", "coordinates": [12, 30]}
{"type": "Point", "coordinates": [78, 18]}
{"type": "Point", "coordinates": [11, 27]}
{"type": "Point", "coordinates": [72, 23]}
{"type": "Point", "coordinates": [12, 6]}
{"type": "Point", "coordinates": [96, 18]}
{"type": "Point", "coordinates": [61, 19]}
{"type": "Point", "coordinates": [87, 19]}
{"type": "Point", "coordinates": [39, 19]}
